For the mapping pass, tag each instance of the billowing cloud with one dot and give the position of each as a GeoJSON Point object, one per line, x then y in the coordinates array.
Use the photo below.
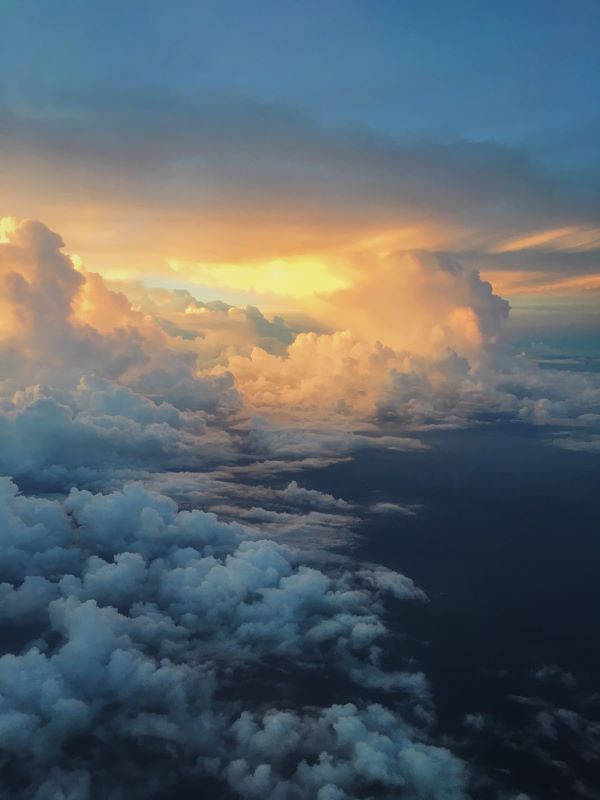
{"type": "Point", "coordinates": [140, 622]}
{"type": "Point", "coordinates": [136, 626]}
{"type": "Point", "coordinates": [164, 378]}
{"type": "Point", "coordinates": [420, 303]}
{"type": "Point", "coordinates": [57, 436]}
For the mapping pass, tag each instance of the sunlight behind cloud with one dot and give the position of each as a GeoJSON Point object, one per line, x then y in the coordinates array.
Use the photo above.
{"type": "Point", "coordinates": [8, 226]}
{"type": "Point", "coordinates": [300, 276]}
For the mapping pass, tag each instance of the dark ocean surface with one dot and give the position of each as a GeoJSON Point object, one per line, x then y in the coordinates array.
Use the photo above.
{"type": "Point", "coordinates": [507, 547]}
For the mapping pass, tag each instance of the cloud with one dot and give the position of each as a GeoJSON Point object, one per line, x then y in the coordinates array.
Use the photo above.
{"type": "Point", "coordinates": [266, 438]}
{"type": "Point", "coordinates": [562, 739]}
{"type": "Point", "coordinates": [581, 444]}
{"type": "Point", "coordinates": [394, 508]}
{"type": "Point", "coordinates": [166, 381]}
{"type": "Point", "coordinates": [223, 156]}
{"type": "Point", "coordinates": [424, 304]}
{"type": "Point", "coordinates": [223, 189]}
{"type": "Point", "coordinates": [55, 437]}
{"type": "Point", "coordinates": [306, 518]}
{"type": "Point", "coordinates": [59, 321]}
{"type": "Point", "coordinates": [297, 495]}
{"type": "Point", "coordinates": [180, 644]}
{"type": "Point", "coordinates": [339, 376]}
{"type": "Point", "coordinates": [40, 334]}
{"type": "Point", "coordinates": [415, 317]}
{"type": "Point", "coordinates": [351, 752]}
{"type": "Point", "coordinates": [141, 620]}
{"type": "Point", "coordinates": [554, 674]}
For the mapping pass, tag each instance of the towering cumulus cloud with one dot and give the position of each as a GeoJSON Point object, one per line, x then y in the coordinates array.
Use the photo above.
{"type": "Point", "coordinates": [421, 303]}
{"type": "Point", "coordinates": [415, 336]}
{"type": "Point", "coordinates": [71, 351]}
{"type": "Point", "coordinates": [148, 647]}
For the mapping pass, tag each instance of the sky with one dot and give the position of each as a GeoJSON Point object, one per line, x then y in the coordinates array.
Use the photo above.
{"type": "Point", "coordinates": [299, 400]}
{"type": "Point", "coordinates": [247, 149]}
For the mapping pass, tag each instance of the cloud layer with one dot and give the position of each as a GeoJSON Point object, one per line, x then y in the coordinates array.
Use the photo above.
{"type": "Point", "coordinates": [130, 625]}
{"type": "Point", "coordinates": [163, 380]}
{"type": "Point", "coordinates": [181, 644]}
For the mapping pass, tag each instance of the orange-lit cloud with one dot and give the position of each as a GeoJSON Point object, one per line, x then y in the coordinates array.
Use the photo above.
{"type": "Point", "coordinates": [59, 318]}
{"type": "Point", "coordinates": [147, 373]}
{"type": "Point", "coordinates": [525, 282]}
{"type": "Point", "coordinates": [417, 302]}
{"type": "Point", "coordinates": [225, 193]}
{"type": "Point", "coordinates": [572, 237]}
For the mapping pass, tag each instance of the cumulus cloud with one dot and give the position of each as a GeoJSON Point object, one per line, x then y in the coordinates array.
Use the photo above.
{"type": "Point", "coordinates": [220, 484]}
{"type": "Point", "coordinates": [142, 623]}
{"type": "Point", "coordinates": [54, 437]}
{"type": "Point", "coordinates": [422, 343]}
{"type": "Point", "coordinates": [298, 495]}
{"type": "Point", "coordinates": [421, 303]}
{"type": "Point", "coordinates": [182, 644]}
{"type": "Point", "coordinates": [59, 321]}
{"type": "Point", "coordinates": [422, 348]}
{"type": "Point", "coordinates": [426, 306]}
{"type": "Point", "coordinates": [305, 517]}
{"type": "Point", "coordinates": [91, 384]}
{"type": "Point", "coordinates": [291, 441]}
{"type": "Point", "coordinates": [40, 335]}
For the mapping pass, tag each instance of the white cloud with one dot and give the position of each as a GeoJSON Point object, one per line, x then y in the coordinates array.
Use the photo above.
{"type": "Point", "coordinates": [394, 508]}
{"type": "Point", "coordinates": [292, 441]}
{"type": "Point", "coordinates": [55, 438]}
{"type": "Point", "coordinates": [137, 614]}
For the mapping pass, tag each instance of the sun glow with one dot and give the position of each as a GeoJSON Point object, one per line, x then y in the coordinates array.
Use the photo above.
{"type": "Point", "coordinates": [8, 225]}
{"type": "Point", "coordinates": [300, 276]}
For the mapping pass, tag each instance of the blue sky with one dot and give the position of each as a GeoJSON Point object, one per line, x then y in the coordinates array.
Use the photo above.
{"type": "Point", "coordinates": [518, 72]}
